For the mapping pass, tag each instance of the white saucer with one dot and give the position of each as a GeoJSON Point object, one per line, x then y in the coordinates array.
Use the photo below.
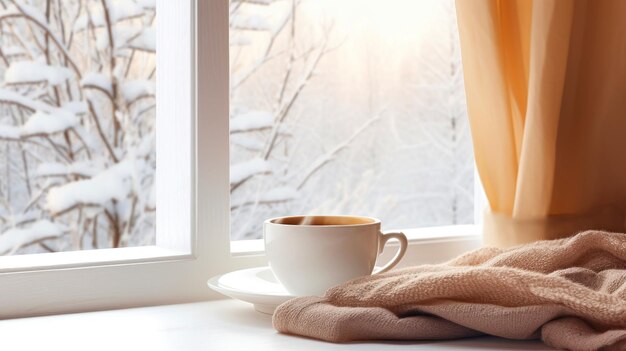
{"type": "Point", "coordinates": [257, 286]}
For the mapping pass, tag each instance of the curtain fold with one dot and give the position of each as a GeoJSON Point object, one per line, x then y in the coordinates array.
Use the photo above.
{"type": "Point", "coordinates": [546, 93]}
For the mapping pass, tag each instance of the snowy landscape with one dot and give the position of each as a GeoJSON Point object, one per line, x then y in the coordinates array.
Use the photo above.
{"type": "Point", "coordinates": [77, 124]}
{"type": "Point", "coordinates": [337, 106]}
{"type": "Point", "coordinates": [348, 107]}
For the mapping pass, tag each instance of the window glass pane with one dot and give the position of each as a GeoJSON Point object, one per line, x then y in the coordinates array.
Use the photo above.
{"type": "Point", "coordinates": [348, 107]}
{"type": "Point", "coordinates": [77, 124]}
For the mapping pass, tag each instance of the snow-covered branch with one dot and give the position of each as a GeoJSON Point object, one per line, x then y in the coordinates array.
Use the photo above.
{"type": "Point", "coordinates": [328, 156]}
{"type": "Point", "coordinates": [34, 17]}
{"type": "Point", "coordinates": [16, 238]}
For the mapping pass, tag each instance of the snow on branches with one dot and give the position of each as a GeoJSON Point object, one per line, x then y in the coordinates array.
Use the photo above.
{"type": "Point", "coordinates": [76, 124]}
{"type": "Point", "coordinates": [13, 239]}
{"type": "Point", "coordinates": [24, 72]}
{"type": "Point", "coordinates": [269, 55]}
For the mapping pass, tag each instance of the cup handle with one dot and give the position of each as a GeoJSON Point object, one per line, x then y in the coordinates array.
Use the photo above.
{"type": "Point", "coordinates": [383, 238]}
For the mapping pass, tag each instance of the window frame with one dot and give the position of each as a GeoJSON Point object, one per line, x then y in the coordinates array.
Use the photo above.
{"type": "Point", "coordinates": [191, 244]}
{"type": "Point", "coordinates": [193, 225]}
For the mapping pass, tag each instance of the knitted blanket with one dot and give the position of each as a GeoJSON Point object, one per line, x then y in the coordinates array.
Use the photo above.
{"type": "Point", "coordinates": [571, 293]}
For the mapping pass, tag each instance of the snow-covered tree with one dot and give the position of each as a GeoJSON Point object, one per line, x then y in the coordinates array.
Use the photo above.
{"type": "Point", "coordinates": [268, 40]}
{"type": "Point", "coordinates": [77, 124]}
{"type": "Point", "coordinates": [363, 115]}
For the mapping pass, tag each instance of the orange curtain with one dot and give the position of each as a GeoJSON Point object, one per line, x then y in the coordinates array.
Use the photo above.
{"type": "Point", "coordinates": [546, 95]}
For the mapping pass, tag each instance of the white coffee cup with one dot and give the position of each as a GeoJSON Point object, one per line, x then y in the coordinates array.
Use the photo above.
{"type": "Point", "coordinates": [309, 254]}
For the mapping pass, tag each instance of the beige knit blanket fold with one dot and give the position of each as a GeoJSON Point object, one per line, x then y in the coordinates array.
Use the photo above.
{"type": "Point", "coordinates": [571, 293]}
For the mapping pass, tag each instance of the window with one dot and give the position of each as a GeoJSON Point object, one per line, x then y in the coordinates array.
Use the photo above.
{"type": "Point", "coordinates": [178, 263]}
{"type": "Point", "coordinates": [351, 106]}
{"type": "Point", "coordinates": [193, 211]}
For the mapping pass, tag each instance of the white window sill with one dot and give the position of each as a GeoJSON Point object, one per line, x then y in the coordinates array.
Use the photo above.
{"type": "Point", "coordinates": [217, 325]}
